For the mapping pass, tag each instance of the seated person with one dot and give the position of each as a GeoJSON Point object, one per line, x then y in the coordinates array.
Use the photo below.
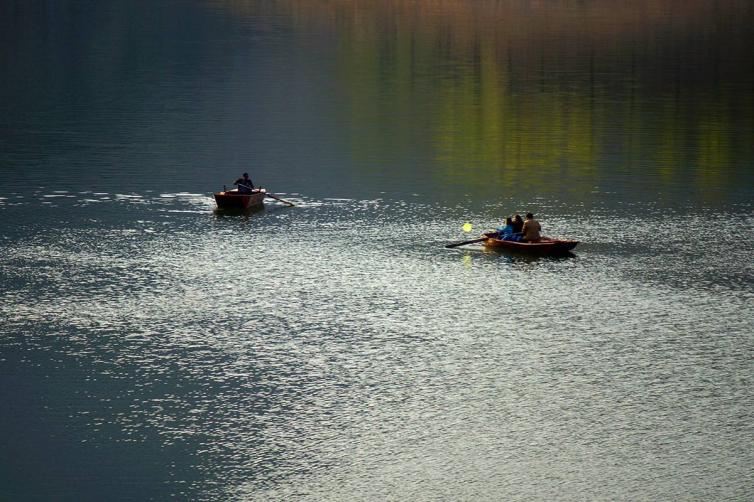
{"type": "Point", "coordinates": [244, 184]}
{"type": "Point", "coordinates": [531, 229]}
{"type": "Point", "coordinates": [518, 224]}
{"type": "Point", "coordinates": [505, 232]}
{"type": "Point", "coordinates": [508, 232]}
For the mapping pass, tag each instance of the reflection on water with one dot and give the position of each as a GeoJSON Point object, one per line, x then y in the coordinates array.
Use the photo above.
{"type": "Point", "coordinates": [515, 94]}
{"type": "Point", "coordinates": [335, 350]}
{"type": "Point", "coordinates": [354, 355]}
{"type": "Point", "coordinates": [526, 95]}
{"type": "Point", "coordinates": [581, 100]}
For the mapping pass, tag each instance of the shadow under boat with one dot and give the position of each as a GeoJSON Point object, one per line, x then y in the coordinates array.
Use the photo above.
{"type": "Point", "coordinates": [527, 257]}
{"type": "Point", "coordinates": [234, 213]}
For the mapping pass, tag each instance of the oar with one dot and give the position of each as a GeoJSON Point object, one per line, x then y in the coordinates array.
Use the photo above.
{"type": "Point", "coordinates": [268, 194]}
{"type": "Point", "coordinates": [456, 244]}
{"type": "Point", "coordinates": [247, 187]}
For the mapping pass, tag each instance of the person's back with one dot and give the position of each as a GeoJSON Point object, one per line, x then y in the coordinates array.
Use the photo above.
{"type": "Point", "coordinates": [531, 229]}
{"type": "Point", "coordinates": [506, 232]}
{"type": "Point", "coordinates": [518, 224]}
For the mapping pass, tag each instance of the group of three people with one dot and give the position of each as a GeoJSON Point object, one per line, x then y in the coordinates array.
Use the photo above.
{"type": "Point", "coordinates": [516, 229]}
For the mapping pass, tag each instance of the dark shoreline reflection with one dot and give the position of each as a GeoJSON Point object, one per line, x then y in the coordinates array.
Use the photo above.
{"type": "Point", "coordinates": [575, 100]}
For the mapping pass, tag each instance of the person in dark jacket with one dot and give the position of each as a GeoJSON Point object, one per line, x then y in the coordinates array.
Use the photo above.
{"type": "Point", "coordinates": [244, 184]}
{"type": "Point", "coordinates": [518, 224]}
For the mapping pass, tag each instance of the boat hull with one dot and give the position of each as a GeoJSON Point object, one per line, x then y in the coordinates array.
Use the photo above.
{"type": "Point", "coordinates": [232, 200]}
{"type": "Point", "coordinates": [544, 247]}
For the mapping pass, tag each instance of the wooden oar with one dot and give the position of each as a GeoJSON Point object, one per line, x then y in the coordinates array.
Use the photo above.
{"type": "Point", "coordinates": [268, 194]}
{"type": "Point", "coordinates": [456, 244]}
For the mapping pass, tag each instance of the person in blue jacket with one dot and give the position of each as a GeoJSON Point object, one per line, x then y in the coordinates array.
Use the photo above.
{"type": "Point", "coordinates": [506, 232]}
{"type": "Point", "coordinates": [511, 231]}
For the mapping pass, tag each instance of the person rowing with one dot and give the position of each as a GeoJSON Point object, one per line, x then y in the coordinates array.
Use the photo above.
{"type": "Point", "coordinates": [244, 184]}
{"type": "Point", "coordinates": [508, 232]}
{"type": "Point", "coordinates": [511, 231]}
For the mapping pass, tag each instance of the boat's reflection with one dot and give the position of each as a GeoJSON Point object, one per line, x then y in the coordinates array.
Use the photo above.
{"type": "Point", "coordinates": [528, 258]}
{"type": "Point", "coordinates": [511, 256]}
{"type": "Point", "coordinates": [222, 213]}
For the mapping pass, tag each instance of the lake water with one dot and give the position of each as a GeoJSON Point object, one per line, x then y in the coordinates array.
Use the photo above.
{"type": "Point", "coordinates": [151, 348]}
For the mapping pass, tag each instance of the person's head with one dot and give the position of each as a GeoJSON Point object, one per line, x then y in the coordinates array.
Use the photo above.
{"type": "Point", "coordinates": [529, 216]}
{"type": "Point", "coordinates": [508, 221]}
{"type": "Point", "coordinates": [517, 217]}
{"type": "Point", "coordinates": [245, 175]}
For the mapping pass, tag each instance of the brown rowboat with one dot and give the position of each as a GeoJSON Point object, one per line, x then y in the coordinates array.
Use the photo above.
{"type": "Point", "coordinates": [233, 200]}
{"type": "Point", "coordinates": [546, 246]}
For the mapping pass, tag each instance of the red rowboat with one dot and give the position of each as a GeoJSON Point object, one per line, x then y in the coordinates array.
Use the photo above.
{"type": "Point", "coordinates": [233, 200]}
{"type": "Point", "coordinates": [544, 247]}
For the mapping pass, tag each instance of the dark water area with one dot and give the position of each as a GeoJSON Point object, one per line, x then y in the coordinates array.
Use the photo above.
{"type": "Point", "coordinates": [652, 100]}
{"type": "Point", "coordinates": [153, 348]}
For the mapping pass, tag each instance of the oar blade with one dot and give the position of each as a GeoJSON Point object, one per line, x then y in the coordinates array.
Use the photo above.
{"type": "Point", "coordinates": [268, 194]}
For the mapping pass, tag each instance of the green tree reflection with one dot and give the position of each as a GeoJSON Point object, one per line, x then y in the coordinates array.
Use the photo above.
{"type": "Point", "coordinates": [521, 94]}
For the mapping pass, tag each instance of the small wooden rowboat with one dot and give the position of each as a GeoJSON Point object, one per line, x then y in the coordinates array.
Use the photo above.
{"type": "Point", "coordinates": [235, 201]}
{"type": "Point", "coordinates": [544, 247]}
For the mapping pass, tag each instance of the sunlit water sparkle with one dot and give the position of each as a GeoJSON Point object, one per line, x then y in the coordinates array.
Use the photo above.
{"type": "Point", "coordinates": [337, 350]}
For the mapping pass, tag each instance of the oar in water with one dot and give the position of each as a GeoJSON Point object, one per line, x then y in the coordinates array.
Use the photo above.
{"type": "Point", "coordinates": [268, 194]}
{"type": "Point", "coordinates": [456, 244]}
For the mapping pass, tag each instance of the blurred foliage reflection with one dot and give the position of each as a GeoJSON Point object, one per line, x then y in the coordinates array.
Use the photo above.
{"type": "Point", "coordinates": [520, 92]}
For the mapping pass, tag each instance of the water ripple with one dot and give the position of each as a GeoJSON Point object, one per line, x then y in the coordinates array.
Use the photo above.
{"type": "Point", "coordinates": [337, 348]}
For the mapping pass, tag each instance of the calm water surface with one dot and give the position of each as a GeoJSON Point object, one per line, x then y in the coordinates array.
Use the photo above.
{"type": "Point", "coordinates": [151, 348]}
